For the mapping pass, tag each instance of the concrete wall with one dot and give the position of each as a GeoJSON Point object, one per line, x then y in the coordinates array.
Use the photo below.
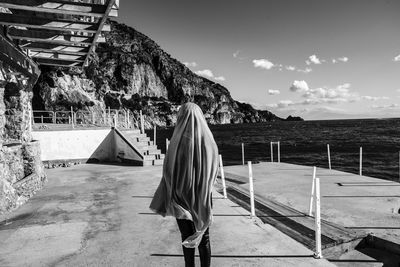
{"type": "Point", "coordinates": [76, 144]}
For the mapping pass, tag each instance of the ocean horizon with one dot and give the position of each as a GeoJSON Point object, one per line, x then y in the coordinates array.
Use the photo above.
{"type": "Point", "coordinates": [305, 143]}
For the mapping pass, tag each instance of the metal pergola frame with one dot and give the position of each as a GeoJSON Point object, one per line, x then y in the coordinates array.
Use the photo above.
{"type": "Point", "coordinates": [56, 32]}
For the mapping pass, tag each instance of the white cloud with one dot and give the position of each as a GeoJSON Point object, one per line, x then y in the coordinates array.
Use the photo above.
{"type": "Point", "coordinates": [263, 64]}
{"type": "Point", "coordinates": [209, 74]}
{"type": "Point", "coordinates": [190, 64]}
{"type": "Point", "coordinates": [273, 92]}
{"type": "Point", "coordinates": [313, 59]}
{"type": "Point", "coordinates": [391, 106]}
{"type": "Point", "coordinates": [205, 73]}
{"type": "Point", "coordinates": [374, 98]}
{"type": "Point", "coordinates": [299, 86]}
{"type": "Point", "coordinates": [291, 68]}
{"type": "Point", "coordinates": [236, 54]}
{"type": "Point", "coordinates": [306, 70]}
{"type": "Point", "coordinates": [220, 78]}
{"type": "Point", "coordinates": [341, 59]}
{"type": "Point", "coordinates": [396, 58]}
{"type": "Point", "coordinates": [340, 93]}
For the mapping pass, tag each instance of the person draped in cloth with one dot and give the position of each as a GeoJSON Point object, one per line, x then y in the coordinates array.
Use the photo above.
{"type": "Point", "coordinates": [189, 171]}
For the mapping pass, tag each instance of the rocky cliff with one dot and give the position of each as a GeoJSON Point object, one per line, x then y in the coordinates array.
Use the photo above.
{"type": "Point", "coordinates": [130, 71]}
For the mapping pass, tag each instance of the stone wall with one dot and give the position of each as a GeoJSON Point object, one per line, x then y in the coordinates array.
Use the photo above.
{"type": "Point", "coordinates": [21, 170]}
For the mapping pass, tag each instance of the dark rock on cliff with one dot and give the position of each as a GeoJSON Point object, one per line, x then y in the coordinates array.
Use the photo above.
{"type": "Point", "coordinates": [294, 118]}
{"type": "Point", "coordinates": [130, 71]}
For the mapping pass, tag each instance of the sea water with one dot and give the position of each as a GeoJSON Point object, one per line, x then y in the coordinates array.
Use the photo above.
{"type": "Point", "coordinates": [305, 143]}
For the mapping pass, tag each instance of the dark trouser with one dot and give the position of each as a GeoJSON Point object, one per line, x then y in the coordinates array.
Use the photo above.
{"type": "Point", "coordinates": [187, 229]}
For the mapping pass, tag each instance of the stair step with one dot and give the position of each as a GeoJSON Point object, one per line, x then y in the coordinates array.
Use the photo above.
{"type": "Point", "coordinates": [151, 152]}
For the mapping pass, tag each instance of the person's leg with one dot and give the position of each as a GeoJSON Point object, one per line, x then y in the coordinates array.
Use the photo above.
{"type": "Point", "coordinates": [186, 228]}
{"type": "Point", "coordinates": [205, 250]}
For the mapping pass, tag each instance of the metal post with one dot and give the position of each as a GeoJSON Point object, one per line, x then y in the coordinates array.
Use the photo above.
{"type": "Point", "coordinates": [54, 118]}
{"type": "Point", "coordinates": [399, 166]}
{"type": "Point", "coordinates": [279, 151]}
{"type": "Point", "coordinates": [361, 161]}
{"type": "Point", "coordinates": [272, 153]}
{"type": "Point", "coordinates": [221, 168]}
{"type": "Point", "coordinates": [93, 118]}
{"type": "Point", "coordinates": [41, 119]}
{"type": "Point", "coordinates": [155, 134]}
{"type": "Point", "coordinates": [125, 120]}
{"type": "Point", "coordinates": [109, 116]}
{"type": "Point", "coordinates": [166, 145]}
{"type": "Point", "coordinates": [129, 123]}
{"type": "Point", "coordinates": [141, 122]}
{"type": "Point", "coordinates": [242, 154]}
{"type": "Point", "coordinates": [116, 119]}
{"type": "Point", "coordinates": [72, 117]}
{"type": "Point", "coordinates": [251, 190]}
{"type": "Point", "coordinates": [312, 192]}
{"type": "Point", "coordinates": [318, 251]}
{"type": "Point", "coordinates": [329, 156]}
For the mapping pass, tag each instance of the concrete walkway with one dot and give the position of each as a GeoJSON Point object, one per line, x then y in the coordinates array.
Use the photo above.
{"type": "Point", "coordinates": [353, 201]}
{"type": "Point", "coordinates": [97, 215]}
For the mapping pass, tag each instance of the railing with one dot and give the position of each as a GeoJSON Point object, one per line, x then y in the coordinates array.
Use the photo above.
{"type": "Point", "coordinates": [125, 119]}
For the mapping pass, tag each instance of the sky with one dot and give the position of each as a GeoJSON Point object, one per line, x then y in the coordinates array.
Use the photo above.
{"type": "Point", "coordinates": [318, 59]}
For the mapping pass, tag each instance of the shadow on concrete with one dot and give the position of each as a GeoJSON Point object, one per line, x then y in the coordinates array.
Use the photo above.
{"type": "Point", "coordinates": [365, 184]}
{"type": "Point", "coordinates": [237, 256]}
{"type": "Point", "coordinates": [374, 227]}
{"type": "Point", "coordinates": [358, 196]}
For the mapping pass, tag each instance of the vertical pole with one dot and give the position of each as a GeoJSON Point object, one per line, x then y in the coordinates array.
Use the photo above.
{"type": "Point", "coordinates": [251, 189]}
{"type": "Point", "coordinates": [361, 161]}
{"type": "Point", "coordinates": [105, 117]}
{"type": "Point", "coordinates": [116, 119]}
{"type": "Point", "coordinates": [329, 156]}
{"type": "Point", "coordinates": [399, 166]}
{"type": "Point", "coordinates": [279, 151]}
{"type": "Point", "coordinates": [221, 168]}
{"type": "Point", "coordinates": [166, 145]}
{"type": "Point", "coordinates": [318, 252]}
{"type": "Point", "coordinates": [93, 118]}
{"type": "Point", "coordinates": [54, 117]}
{"type": "Point", "coordinates": [242, 154]}
{"type": "Point", "coordinates": [272, 153]}
{"type": "Point", "coordinates": [127, 119]}
{"type": "Point", "coordinates": [72, 117]}
{"type": "Point", "coordinates": [312, 192]}
{"type": "Point", "coordinates": [141, 122]}
{"type": "Point", "coordinates": [109, 116]}
{"type": "Point", "coordinates": [41, 119]}
{"type": "Point", "coordinates": [154, 133]}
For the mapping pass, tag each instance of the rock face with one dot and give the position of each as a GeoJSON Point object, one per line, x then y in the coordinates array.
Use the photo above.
{"type": "Point", "coordinates": [21, 170]}
{"type": "Point", "coordinates": [130, 71]}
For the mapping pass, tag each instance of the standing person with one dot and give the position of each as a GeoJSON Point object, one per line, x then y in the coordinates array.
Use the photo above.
{"type": "Point", "coordinates": [189, 171]}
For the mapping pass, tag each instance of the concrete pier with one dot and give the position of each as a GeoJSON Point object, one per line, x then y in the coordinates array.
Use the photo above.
{"type": "Point", "coordinates": [97, 215]}
{"type": "Point", "coordinates": [357, 205]}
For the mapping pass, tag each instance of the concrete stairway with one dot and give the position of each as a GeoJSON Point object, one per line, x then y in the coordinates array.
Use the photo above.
{"type": "Point", "coordinates": [151, 154]}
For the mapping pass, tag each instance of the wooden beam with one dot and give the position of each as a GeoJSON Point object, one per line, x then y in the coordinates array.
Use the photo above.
{"type": "Point", "coordinates": [49, 37]}
{"type": "Point", "coordinates": [63, 52]}
{"type": "Point", "coordinates": [54, 47]}
{"type": "Point", "coordinates": [16, 59]}
{"type": "Point", "coordinates": [56, 56]}
{"type": "Point", "coordinates": [59, 7]}
{"type": "Point", "coordinates": [59, 62]}
{"type": "Point", "coordinates": [101, 25]}
{"type": "Point", "coordinates": [50, 23]}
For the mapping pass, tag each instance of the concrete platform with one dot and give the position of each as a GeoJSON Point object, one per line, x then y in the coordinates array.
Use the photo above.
{"type": "Point", "coordinates": [97, 215]}
{"type": "Point", "coordinates": [354, 202]}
